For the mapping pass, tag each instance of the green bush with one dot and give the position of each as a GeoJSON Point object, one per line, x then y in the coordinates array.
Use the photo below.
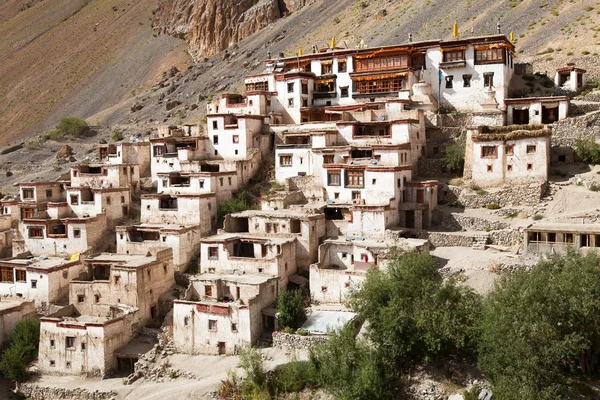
{"type": "Point", "coordinates": [587, 150]}
{"type": "Point", "coordinates": [350, 369]}
{"type": "Point", "coordinates": [117, 136]}
{"type": "Point", "coordinates": [454, 160]}
{"type": "Point", "coordinates": [21, 351]}
{"type": "Point", "coordinates": [493, 206]}
{"type": "Point", "coordinates": [73, 127]}
{"type": "Point", "coordinates": [481, 192]}
{"type": "Point", "coordinates": [239, 202]}
{"type": "Point", "coordinates": [290, 309]}
{"type": "Point", "coordinates": [414, 315]}
{"type": "Point", "coordinates": [540, 328]}
{"type": "Point", "coordinates": [294, 377]}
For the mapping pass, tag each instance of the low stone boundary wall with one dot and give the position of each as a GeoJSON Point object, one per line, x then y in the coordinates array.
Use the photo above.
{"type": "Point", "coordinates": [457, 222]}
{"type": "Point", "coordinates": [516, 195]}
{"type": "Point", "coordinates": [282, 340]}
{"type": "Point", "coordinates": [35, 392]}
{"type": "Point", "coordinates": [443, 239]}
{"type": "Point", "coordinates": [506, 237]}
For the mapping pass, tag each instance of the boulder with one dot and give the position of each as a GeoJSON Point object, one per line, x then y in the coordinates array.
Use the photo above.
{"type": "Point", "coordinates": [64, 152]}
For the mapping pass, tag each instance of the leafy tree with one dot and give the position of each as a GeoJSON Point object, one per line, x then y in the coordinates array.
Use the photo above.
{"type": "Point", "coordinates": [587, 150]}
{"type": "Point", "coordinates": [349, 369]}
{"type": "Point", "coordinates": [255, 384]}
{"type": "Point", "coordinates": [240, 202]}
{"type": "Point", "coordinates": [454, 159]}
{"type": "Point", "coordinates": [540, 327]}
{"type": "Point", "coordinates": [414, 315]}
{"type": "Point", "coordinates": [290, 309]}
{"type": "Point", "coordinates": [73, 127]}
{"type": "Point", "coordinates": [21, 351]}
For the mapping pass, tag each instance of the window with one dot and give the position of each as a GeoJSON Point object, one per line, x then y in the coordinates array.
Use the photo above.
{"type": "Point", "coordinates": [186, 320]}
{"type": "Point", "coordinates": [326, 68]}
{"type": "Point", "coordinates": [236, 138]}
{"type": "Point", "coordinates": [215, 125]}
{"type": "Point", "coordinates": [290, 87]}
{"type": "Point", "coordinates": [48, 193]}
{"type": "Point", "coordinates": [304, 87]}
{"type": "Point", "coordinates": [342, 66]}
{"type": "Point", "coordinates": [21, 275]}
{"type": "Point", "coordinates": [96, 298]}
{"type": "Point", "coordinates": [356, 195]}
{"type": "Point", "coordinates": [221, 181]}
{"type": "Point", "coordinates": [76, 233]}
{"type": "Point", "coordinates": [164, 265]}
{"type": "Point", "coordinates": [158, 151]}
{"type": "Point", "coordinates": [323, 289]}
{"type": "Point", "coordinates": [379, 85]}
{"type": "Point", "coordinates": [568, 237]}
{"type": "Point", "coordinates": [208, 290]}
{"type": "Point", "coordinates": [122, 199]}
{"type": "Point", "coordinates": [6, 274]}
{"type": "Point", "coordinates": [509, 149]}
{"type": "Point", "coordinates": [530, 149]}
{"type": "Point", "coordinates": [290, 102]}
{"type": "Point", "coordinates": [334, 179]}
{"type": "Point", "coordinates": [216, 139]}
{"type": "Point", "coordinates": [344, 91]}
{"type": "Point", "coordinates": [82, 346]}
{"type": "Point", "coordinates": [467, 80]}
{"type": "Point", "coordinates": [70, 342]}
{"type": "Point", "coordinates": [529, 167]}
{"type": "Point", "coordinates": [27, 213]}
{"type": "Point", "coordinates": [489, 152]}
{"type": "Point", "coordinates": [454, 55]}
{"type": "Point", "coordinates": [378, 63]}
{"type": "Point", "coordinates": [233, 327]}
{"type": "Point", "coordinates": [212, 325]}
{"type": "Point", "coordinates": [449, 79]}
{"type": "Point", "coordinates": [488, 79]}
{"type": "Point", "coordinates": [489, 55]}
{"type": "Point", "coordinates": [328, 159]}
{"type": "Point", "coordinates": [52, 363]}
{"type": "Point", "coordinates": [490, 168]}
{"type": "Point", "coordinates": [229, 181]}
{"type": "Point", "coordinates": [117, 279]}
{"type": "Point", "coordinates": [509, 167]}
{"type": "Point", "coordinates": [36, 232]}
{"type": "Point", "coordinates": [285, 161]}
{"type": "Point", "coordinates": [201, 182]}
{"type": "Point", "coordinates": [149, 273]}
{"type": "Point", "coordinates": [68, 364]}
{"type": "Point", "coordinates": [52, 343]}
{"type": "Point", "coordinates": [355, 179]}
{"type": "Point", "coordinates": [80, 298]}
{"type": "Point", "coordinates": [28, 194]}
{"type": "Point", "coordinates": [213, 253]}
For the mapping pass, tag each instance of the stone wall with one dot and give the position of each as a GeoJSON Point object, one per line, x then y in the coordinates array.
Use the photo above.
{"type": "Point", "coordinates": [444, 239]}
{"type": "Point", "coordinates": [566, 132]}
{"type": "Point", "coordinates": [506, 237]}
{"type": "Point", "coordinates": [35, 392]}
{"type": "Point", "coordinates": [457, 222]}
{"type": "Point", "coordinates": [515, 195]}
{"type": "Point", "coordinates": [282, 340]}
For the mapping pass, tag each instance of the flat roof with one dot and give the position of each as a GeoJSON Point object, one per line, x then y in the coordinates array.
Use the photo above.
{"type": "Point", "coordinates": [276, 213]}
{"type": "Point", "coordinates": [564, 227]}
{"type": "Point", "coordinates": [128, 260]}
{"type": "Point", "coordinates": [43, 263]}
{"type": "Point", "coordinates": [226, 236]}
{"type": "Point", "coordinates": [320, 322]}
{"type": "Point", "coordinates": [247, 279]}
{"type": "Point", "coordinates": [8, 303]}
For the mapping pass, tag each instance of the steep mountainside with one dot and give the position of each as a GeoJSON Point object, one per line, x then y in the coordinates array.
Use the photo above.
{"type": "Point", "coordinates": [94, 58]}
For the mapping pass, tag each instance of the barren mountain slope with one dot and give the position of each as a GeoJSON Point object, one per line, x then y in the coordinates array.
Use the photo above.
{"type": "Point", "coordinates": [53, 63]}
{"type": "Point", "coordinates": [74, 57]}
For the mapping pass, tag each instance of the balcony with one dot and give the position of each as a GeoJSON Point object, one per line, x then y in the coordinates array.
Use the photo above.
{"type": "Point", "coordinates": [453, 64]}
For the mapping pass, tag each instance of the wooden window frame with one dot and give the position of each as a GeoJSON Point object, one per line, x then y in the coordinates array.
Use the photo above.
{"type": "Point", "coordinates": [355, 179]}
{"type": "Point", "coordinates": [489, 151]}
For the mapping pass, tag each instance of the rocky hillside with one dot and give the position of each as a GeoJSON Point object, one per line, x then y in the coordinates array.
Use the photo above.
{"type": "Point", "coordinates": [104, 60]}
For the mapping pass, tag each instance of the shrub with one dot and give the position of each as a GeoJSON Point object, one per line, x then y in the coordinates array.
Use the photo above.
{"type": "Point", "coordinates": [73, 127]}
{"type": "Point", "coordinates": [21, 351]}
{"type": "Point", "coordinates": [481, 192]}
{"type": "Point", "coordinates": [239, 202]}
{"type": "Point", "coordinates": [550, 315]}
{"type": "Point", "coordinates": [454, 160]}
{"type": "Point", "coordinates": [493, 206]}
{"type": "Point", "coordinates": [414, 315]}
{"type": "Point", "coordinates": [594, 187]}
{"type": "Point", "coordinates": [290, 309]}
{"type": "Point", "coordinates": [294, 377]}
{"type": "Point", "coordinates": [587, 150]}
{"type": "Point", "coordinates": [117, 136]}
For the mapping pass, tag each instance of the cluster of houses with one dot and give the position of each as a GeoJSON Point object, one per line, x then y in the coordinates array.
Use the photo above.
{"type": "Point", "coordinates": [97, 253]}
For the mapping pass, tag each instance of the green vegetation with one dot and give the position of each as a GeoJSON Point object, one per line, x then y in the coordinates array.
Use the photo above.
{"type": "Point", "coordinates": [550, 315]}
{"type": "Point", "coordinates": [587, 150]}
{"type": "Point", "coordinates": [117, 136]}
{"type": "Point", "coordinates": [454, 159]}
{"type": "Point", "coordinates": [241, 201]}
{"type": "Point", "coordinates": [71, 127]}
{"type": "Point", "coordinates": [493, 206]}
{"type": "Point", "coordinates": [481, 192]}
{"type": "Point", "coordinates": [21, 351]}
{"type": "Point", "coordinates": [290, 309]}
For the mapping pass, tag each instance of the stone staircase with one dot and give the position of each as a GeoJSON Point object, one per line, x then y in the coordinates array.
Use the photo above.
{"type": "Point", "coordinates": [480, 241]}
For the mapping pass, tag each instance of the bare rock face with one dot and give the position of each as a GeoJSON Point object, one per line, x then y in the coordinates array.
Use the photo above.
{"type": "Point", "coordinates": [214, 25]}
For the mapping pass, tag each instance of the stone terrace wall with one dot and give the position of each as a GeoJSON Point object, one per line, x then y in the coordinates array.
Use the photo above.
{"type": "Point", "coordinates": [282, 340]}
{"type": "Point", "coordinates": [565, 132]}
{"type": "Point", "coordinates": [457, 222]}
{"type": "Point", "coordinates": [516, 195]}
{"type": "Point", "coordinates": [506, 237]}
{"type": "Point", "coordinates": [443, 239]}
{"type": "Point", "coordinates": [35, 392]}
